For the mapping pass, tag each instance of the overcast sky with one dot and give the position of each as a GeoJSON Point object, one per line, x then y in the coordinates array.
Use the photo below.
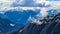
{"type": "Point", "coordinates": [13, 4]}
{"type": "Point", "coordinates": [28, 3]}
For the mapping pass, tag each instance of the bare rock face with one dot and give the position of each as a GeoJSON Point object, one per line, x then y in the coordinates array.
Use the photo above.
{"type": "Point", "coordinates": [52, 28]}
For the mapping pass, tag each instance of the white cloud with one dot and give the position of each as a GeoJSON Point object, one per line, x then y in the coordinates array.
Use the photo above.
{"type": "Point", "coordinates": [12, 24]}
{"type": "Point", "coordinates": [43, 12]}
{"type": "Point", "coordinates": [19, 2]}
{"type": "Point", "coordinates": [55, 5]}
{"type": "Point", "coordinates": [39, 1]}
{"type": "Point", "coordinates": [6, 3]}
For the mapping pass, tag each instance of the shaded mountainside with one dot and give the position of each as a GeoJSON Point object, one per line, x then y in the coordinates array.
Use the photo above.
{"type": "Point", "coordinates": [6, 25]}
{"type": "Point", "coordinates": [20, 17]}
{"type": "Point", "coordinates": [13, 19]}
{"type": "Point", "coordinates": [52, 28]}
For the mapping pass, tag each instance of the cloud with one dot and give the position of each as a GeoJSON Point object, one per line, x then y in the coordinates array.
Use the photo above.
{"type": "Point", "coordinates": [25, 3]}
{"type": "Point", "coordinates": [5, 3]}
{"type": "Point", "coordinates": [33, 3]}
{"type": "Point", "coordinates": [52, 0]}
{"type": "Point", "coordinates": [28, 4]}
{"type": "Point", "coordinates": [43, 12]}
{"type": "Point", "coordinates": [55, 5]}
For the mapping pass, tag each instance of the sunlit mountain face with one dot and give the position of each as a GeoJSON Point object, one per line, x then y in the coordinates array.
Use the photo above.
{"type": "Point", "coordinates": [29, 16]}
